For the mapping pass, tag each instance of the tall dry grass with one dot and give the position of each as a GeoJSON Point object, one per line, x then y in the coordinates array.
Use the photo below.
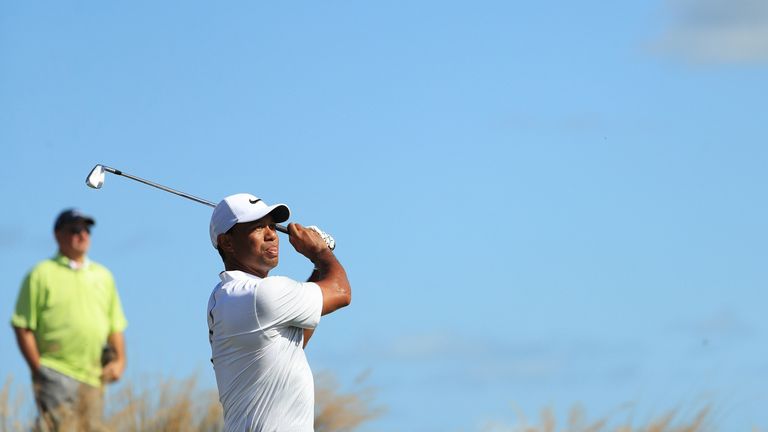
{"type": "Point", "coordinates": [168, 405]}
{"type": "Point", "coordinates": [340, 411]}
{"type": "Point", "coordinates": [163, 405]}
{"type": "Point", "coordinates": [12, 400]}
{"type": "Point", "coordinates": [671, 421]}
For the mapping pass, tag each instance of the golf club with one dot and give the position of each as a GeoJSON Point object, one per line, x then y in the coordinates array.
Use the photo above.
{"type": "Point", "coordinates": [96, 177]}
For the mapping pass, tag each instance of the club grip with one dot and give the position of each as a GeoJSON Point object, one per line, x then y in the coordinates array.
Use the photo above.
{"type": "Point", "coordinates": [329, 240]}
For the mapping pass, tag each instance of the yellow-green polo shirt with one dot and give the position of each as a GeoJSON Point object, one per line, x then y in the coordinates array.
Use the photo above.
{"type": "Point", "coordinates": [71, 311]}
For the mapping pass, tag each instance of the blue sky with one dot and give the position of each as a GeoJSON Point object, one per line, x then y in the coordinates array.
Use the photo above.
{"type": "Point", "coordinates": [537, 204]}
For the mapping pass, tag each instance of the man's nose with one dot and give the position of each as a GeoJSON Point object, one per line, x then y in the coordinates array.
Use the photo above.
{"type": "Point", "coordinates": [270, 232]}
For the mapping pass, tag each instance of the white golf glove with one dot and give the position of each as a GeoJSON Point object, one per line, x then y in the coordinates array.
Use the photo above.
{"type": "Point", "coordinates": [327, 237]}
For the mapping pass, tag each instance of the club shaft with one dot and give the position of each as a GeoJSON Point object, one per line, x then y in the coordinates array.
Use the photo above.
{"type": "Point", "coordinates": [278, 227]}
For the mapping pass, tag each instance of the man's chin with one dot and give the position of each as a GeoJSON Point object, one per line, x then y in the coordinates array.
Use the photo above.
{"type": "Point", "coordinates": [269, 264]}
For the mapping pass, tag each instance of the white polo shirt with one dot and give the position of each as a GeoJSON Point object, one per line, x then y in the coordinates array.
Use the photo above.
{"type": "Point", "coordinates": [256, 330]}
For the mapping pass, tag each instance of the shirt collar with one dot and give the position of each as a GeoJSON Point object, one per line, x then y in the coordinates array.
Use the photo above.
{"type": "Point", "coordinates": [74, 265]}
{"type": "Point", "coordinates": [230, 275]}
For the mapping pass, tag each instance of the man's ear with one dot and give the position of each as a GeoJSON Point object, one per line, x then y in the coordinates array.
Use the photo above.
{"type": "Point", "coordinates": [58, 235]}
{"type": "Point", "coordinates": [225, 243]}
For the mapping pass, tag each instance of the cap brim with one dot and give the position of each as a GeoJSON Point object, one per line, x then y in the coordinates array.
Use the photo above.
{"type": "Point", "coordinates": [87, 219]}
{"type": "Point", "coordinates": [280, 213]}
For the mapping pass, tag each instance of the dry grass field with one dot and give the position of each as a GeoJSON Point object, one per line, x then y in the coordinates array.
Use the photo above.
{"type": "Point", "coordinates": [577, 421]}
{"type": "Point", "coordinates": [166, 405]}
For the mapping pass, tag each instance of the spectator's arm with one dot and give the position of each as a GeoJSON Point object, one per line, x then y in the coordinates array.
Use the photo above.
{"type": "Point", "coordinates": [114, 369]}
{"type": "Point", "coordinates": [28, 347]}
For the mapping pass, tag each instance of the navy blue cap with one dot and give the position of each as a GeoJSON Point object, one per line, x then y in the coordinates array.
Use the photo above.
{"type": "Point", "coordinates": [72, 215]}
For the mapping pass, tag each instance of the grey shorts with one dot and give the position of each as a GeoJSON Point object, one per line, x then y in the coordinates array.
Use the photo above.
{"type": "Point", "coordinates": [66, 404]}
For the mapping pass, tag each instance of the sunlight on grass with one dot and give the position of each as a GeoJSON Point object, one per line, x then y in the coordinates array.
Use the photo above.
{"type": "Point", "coordinates": [577, 421]}
{"type": "Point", "coordinates": [339, 411]}
{"type": "Point", "coordinates": [10, 408]}
{"type": "Point", "coordinates": [168, 405]}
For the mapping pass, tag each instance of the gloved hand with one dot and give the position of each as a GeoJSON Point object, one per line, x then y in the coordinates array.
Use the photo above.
{"type": "Point", "coordinates": [327, 237]}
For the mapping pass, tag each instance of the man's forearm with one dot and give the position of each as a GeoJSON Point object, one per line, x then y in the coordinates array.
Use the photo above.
{"type": "Point", "coordinates": [25, 338]}
{"type": "Point", "coordinates": [113, 370]}
{"type": "Point", "coordinates": [328, 267]}
{"type": "Point", "coordinates": [329, 275]}
{"type": "Point", "coordinates": [117, 342]}
{"type": "Point", "coordinates": [333, 281]}
{"type": "Point", "coordinates": [317, 274]}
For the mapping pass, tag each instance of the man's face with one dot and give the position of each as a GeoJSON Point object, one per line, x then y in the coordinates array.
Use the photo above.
{"type": "Point", "coordinates": [253, 246]}
{"type": "Point", "coordinates": [74, 239]}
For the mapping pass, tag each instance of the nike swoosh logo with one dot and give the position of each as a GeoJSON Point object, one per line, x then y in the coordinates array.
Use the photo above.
{"type": "Point", "coordinates": [254, 201]}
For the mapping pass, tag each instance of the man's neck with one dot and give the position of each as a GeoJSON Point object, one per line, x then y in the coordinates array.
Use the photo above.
{"type": "Point", "coordinates": [236, 266]}
{"type": "Point", "coordinates": [78, 258]}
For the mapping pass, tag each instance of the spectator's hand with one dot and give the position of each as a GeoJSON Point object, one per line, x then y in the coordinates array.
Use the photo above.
{"type": "Point", "coordinates": [112, 371]}
{"type": "Point", "coordinates": [35, 372]}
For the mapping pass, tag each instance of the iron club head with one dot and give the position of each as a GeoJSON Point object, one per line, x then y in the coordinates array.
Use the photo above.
{"type": "Point", "coordinates": [95, 178]}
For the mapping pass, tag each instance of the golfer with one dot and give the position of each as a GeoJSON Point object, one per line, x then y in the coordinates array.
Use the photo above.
{"type": "Point", "coordinates": [258, 324]}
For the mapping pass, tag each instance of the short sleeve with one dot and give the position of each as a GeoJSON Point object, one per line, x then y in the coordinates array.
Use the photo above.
{"type": "Point", "coordinates": [25, 313]}
{"type": "Point", "coordinates": [281, 301]}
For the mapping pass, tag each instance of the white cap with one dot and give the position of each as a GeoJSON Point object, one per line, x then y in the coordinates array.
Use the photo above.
{"type": "Point", "coordinates": [240, 208]}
